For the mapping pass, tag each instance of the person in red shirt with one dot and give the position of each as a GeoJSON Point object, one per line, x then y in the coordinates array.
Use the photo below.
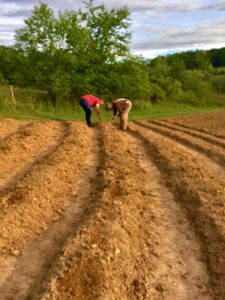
{"type": "Point", "coordinates": [87, 102]}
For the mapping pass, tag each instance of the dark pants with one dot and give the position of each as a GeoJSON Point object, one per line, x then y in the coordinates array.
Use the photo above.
{"type": "Point", "coordinates": [87, 109]}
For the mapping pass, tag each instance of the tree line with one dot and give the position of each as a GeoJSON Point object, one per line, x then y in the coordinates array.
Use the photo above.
{"type": "Point", "coordinates": [87, 51]}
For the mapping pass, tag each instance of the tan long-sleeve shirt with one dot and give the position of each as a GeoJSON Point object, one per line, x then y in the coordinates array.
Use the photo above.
{"type": "Point", "coordinates": [119, 105]}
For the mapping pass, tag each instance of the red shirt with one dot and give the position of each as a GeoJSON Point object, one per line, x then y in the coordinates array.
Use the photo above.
{"type": "Point", "coordinates": [92, 100]}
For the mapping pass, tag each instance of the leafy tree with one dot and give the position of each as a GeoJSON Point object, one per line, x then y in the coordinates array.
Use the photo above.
{"type": "Point", "coordinates": [177, 67]}
{"type": "Point", "coordinates": [169, 88]}
{"type": "Point", "coordinates": [87, 51]}
{"type": "Point", "coordinates": [39, 32]}
{"type": "Point", "coordinates": [74, 49]}
{"type": "Point", "coordinates": [107, 32]}
{"type": "Point", "coordinates": [2, 79]}
{"type": "Point", "coordinates": [130, 78]}
{"type": "Point", "coordinates": [202, 61]}
{"type": "Point", "coordinates": [219, 84]}
{"type": "Point", "coordinates": [196, 82]}
{"type": "Point", "coordinates": [14, 66]}
{"type": "Point", "coordinates": [222, 57]}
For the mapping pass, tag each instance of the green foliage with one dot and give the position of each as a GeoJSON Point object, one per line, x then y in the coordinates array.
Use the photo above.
{"type": "Point", "coordinates": [39, 33]}
{"type": "Point", "coordinates": [130, 79]}
{"type": "Point", "coordinates": [35, 104]}
{"type": "Point", "coordinates": [177, 67]}
{"type": "Point", "coordinates": [87, 51]}
{"type": "Point", "coordinates": [161, 75]}
{"type": "Point", "coordinates": [219, 71]}
{"type": "Point", "coordinates": [202, 61]}
{"type": "Point", "coordinates": [69, 52]}
{"type": "Point", "coordinates": [2, 78]}
{"type": "Point", "coordinates": [219, 84]}
{"type": "Point", "coordinates": [107, 32]}
{"type": "Point", "coordinates": [196, 81]}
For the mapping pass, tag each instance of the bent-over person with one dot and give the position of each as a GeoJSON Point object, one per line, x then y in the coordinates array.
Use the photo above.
{"type": "Point", "coordinates": [121, 106]}
{"type": "Point", "coordinates": [88, 102]}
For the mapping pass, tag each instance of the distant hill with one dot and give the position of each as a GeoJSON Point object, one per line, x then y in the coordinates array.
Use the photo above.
{"type": "Point", "coordinates": [215, 56]}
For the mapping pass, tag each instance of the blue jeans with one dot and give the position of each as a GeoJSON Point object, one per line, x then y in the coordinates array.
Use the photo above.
{"type": "Point", "coordinates": [87, 109]}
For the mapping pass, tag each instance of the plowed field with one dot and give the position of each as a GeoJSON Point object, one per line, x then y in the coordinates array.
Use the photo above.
{"type": "Point", "coordinates": [98, 213]}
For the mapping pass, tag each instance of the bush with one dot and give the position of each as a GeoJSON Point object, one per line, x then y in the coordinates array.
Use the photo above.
{"type": "Point", "coordinates": [2, 79]}
{"type": "Point", "coordinates": [219, 84]}
{"type": "Point", "coordinates": [198, 82]}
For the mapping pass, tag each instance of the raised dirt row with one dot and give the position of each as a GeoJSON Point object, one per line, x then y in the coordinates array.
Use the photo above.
{"type": "Point", "coordinates": [198, 185]}
{"type": "Point", "coordinates": [210, 147]}
{"type": "Point", "coordinates": [212, 123]}
{"type": "Point", "coordinates": [204, 136]}
{"type": "Point", "coordinates": [138, 244]}
{"type": "Point", "coordinates": [21, 149]}
{"type": "Point", "coordinates": [35, 218]}
{"type": "Point", "coordinates": [113, 215]}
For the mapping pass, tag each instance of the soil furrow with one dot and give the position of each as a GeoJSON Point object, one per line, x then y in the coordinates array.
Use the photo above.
{"type": "Point", "coordinates": [7, 126]}
{"type": "Point", "coordinates": [210, 123]}
{"type": "Point", "coordinates": [43, 194]}
{"type": "Point", "coordinates": [215, 153]}
{"type": "Point", "coordinates": [195, 129]}
{"type": "Point", "coordinates": [204, 136]}
{"type": "Point", "coordinates": [31, 269]}
{"type": "Point", "coordinates": [23, 148]}
{"type": "Point", "coordinates": [179, 269]}
{"type": "Point", "coordinates": [10, 134]}
{"type": "Point", "coordinates": [134, 246]}
{"type": "Point", "coordinates": [13, 180]}
{"type": "Point", "coordinates": [100, 213]}
{"type": "Point", "coordinates": [198, 186]}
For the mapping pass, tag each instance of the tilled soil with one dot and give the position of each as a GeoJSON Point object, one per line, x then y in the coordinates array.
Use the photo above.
{"type": "Point", "coordinates": [213, 123]}
{"type": "Point", "coordinates": [41, 197]}
{"type": "Point", "coordinates": [105, 214]}
{"type": "Point", "coordinates": [8, 127]}
{"type": "Point", "coordinates": [21, 148]}
{"type": "Point", "coordinates": [211, 146]}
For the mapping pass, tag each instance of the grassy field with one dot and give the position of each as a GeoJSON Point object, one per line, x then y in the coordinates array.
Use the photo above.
{"type": "Point", "coordinates": [34, 104]}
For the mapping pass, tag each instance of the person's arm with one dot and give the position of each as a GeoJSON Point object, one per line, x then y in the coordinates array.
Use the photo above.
{"type": "Point", "coordinates": [114, 112]}
{"type": "Point", "coordinates": [98, 111]}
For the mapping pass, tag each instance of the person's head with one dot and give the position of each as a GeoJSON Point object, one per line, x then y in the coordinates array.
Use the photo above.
{"type": "Point", "coordinates": [109, 106]}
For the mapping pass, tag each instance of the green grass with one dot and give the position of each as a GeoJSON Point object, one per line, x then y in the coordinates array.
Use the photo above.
{"type": "Point", "coordinates": [164, 110]}
{"type": "Point", "coordinates": [39, 114]}
{"type": "Point", "coordinates": [155, 111]}
{"type": "Point", "coordinates": [33, 104]}
{"type": "Point", "coordinates": [219, 70]}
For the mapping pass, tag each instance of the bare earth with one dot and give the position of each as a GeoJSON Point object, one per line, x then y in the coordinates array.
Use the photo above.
{"type": "Point", "coordinates": [98, 213]}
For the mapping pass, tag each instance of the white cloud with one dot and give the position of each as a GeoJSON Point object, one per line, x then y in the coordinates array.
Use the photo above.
{"type": "Point", "coordinates": [154, 53]}
{"type": "Point", "coordinates": [200, 35]}
{"type": "Point", "coordinates": [158, 26]}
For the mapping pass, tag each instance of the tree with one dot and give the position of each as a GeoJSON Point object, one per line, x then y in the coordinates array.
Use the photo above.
{"type": "Point", "coordinates": [14, 66]}
{"type": "Point", "coordinates": [74, 49]}
{"type": "Point", "coordinates": [177, 67]}
{"type": "Point", "coordinates": [202, 61]}
{"type": "Point", "coordinates": [130, 78]}
{"type": "Point", "coordinates": [168, 88]}
{"type": "Point", "coordinates": [39, 33]}
{"type": "Point", "coordinates": [107, 31]}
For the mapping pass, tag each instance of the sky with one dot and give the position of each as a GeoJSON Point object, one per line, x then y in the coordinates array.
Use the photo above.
{"type": "Point", "coordinates": [158, 27]}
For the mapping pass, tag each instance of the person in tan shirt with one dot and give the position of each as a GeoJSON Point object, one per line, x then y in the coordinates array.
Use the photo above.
{"type": "Point", "coordinates": [121, 106]}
